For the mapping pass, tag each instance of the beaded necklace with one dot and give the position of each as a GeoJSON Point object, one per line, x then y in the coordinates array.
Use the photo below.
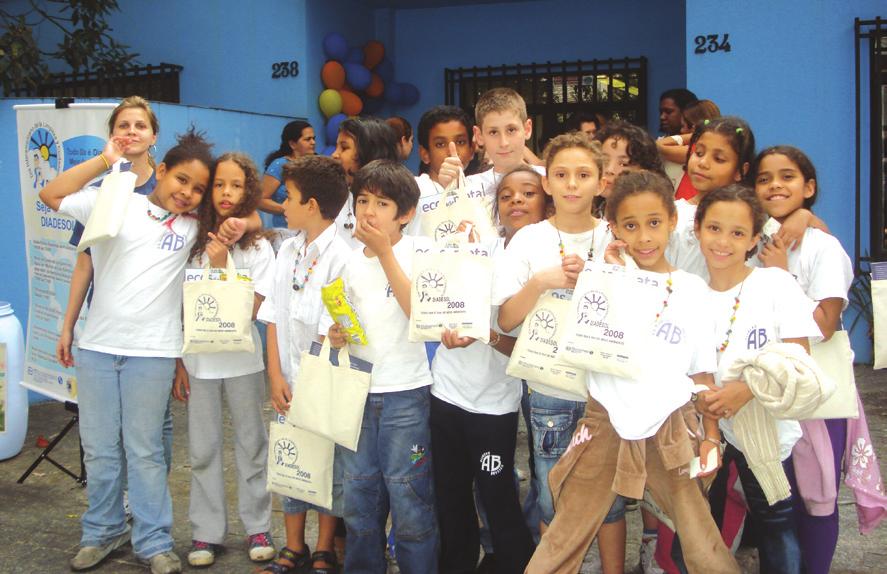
{"type": "Point", "coordinates": [668, 291]}
{"type": "Point", "coordinates": [299, 286]}
{"type": "Point", "coordinates": [723, 346]}
{"type": "Point", "coordinates": [560, 242]}
{"type": "Point", "coordinates": [157, 218]}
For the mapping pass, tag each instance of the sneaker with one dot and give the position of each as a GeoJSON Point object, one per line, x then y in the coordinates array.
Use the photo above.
{"type": "Point", "coordinates": [202, 553]}
{"type": "Point", "coordinates": [90, 556]}
{"type": "Point", "coordinates": [165, 563]}
{"type": "Point", "coordinates": [648, 562]}
{"type": "Point", "coordinates": [261, 547]}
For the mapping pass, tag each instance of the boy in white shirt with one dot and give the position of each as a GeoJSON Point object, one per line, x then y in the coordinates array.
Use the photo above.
{"type": "Point", "coordinates": [316, 193]}
{"type": "Point", "coordinates": [392, 464]}
{"type": "Point", "coordinates": [502, 128]}
{"type": "Point", "coordinates": [444, 131]}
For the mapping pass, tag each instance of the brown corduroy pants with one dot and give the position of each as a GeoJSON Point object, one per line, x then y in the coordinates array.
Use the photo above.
{"type": "Point", "coordinates": [598, 465]}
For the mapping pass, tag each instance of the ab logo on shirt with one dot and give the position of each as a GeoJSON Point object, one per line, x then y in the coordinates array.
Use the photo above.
{"type": "Point", "coordinates": [756, 338]}
{"type": "Point", "coordinates": [172, 241]}
{"type": "Point", "coordinates": [670, 333]}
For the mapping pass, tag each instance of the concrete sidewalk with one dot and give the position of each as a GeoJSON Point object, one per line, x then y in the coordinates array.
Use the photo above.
{"type": "Point", "coordinates": [40, 519]}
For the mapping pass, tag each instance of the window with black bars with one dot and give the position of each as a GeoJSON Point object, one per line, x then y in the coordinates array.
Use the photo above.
{"type": "Point", "coordinates": [555, 91]}
{"type": "Point", "coordinates": [155, 83]}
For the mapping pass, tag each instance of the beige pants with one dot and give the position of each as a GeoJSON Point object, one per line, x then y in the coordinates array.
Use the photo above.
{"type": "Point", "coordinates": [599, 463]}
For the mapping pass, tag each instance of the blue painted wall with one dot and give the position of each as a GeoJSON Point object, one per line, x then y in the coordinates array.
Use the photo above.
{"type": "Point", "coordinates": [228, 130]}
{"type": "Point", "coordinates": [429, 40]}
{"type": "Point", "coordinates": [791, 75]}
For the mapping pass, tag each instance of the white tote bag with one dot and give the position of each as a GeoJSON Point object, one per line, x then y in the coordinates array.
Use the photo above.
{"type": "Point", "coordinates": [835, 358]}
{"type": "Point", "coordinates": [535, 355]}
{"type": "Point", "coordinates": [611, 314]}
{"type": "Point", "coordinates": [328, 399]}
{"type": "Point", "coordinates": [110, 208]}
{"type": "Point", "coordinates": [456, 206]}
{"type": "Point", "coordinates": [300, 464]}
{"type": "Point", "coordinates": [451, 289]}
{"type": "Point", "coordinates": [879, 312]}
{"type": "Point", "coordinates": [218, 314]}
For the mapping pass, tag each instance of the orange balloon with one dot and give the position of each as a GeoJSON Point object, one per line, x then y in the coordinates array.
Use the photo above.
{"type": "Point", "coordinates": [376, 87]}
{"type": "Point", "coordinates": [351, 103]}
{"type": "Point", "coordinates": [333, 75]}
{"type": "Point", "coordinates": [373, 52]}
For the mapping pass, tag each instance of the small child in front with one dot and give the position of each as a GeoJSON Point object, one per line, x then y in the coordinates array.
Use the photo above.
{"type": "Point", "coordinates": [316, 192]}
{"type": "Point", "coordinates": [392, 464]}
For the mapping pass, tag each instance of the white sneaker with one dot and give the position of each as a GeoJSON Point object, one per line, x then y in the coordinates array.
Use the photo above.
{"type": "Point", "coordinates": [648, 562]}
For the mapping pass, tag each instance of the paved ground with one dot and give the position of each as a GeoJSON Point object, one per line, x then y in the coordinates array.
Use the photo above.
{"type": "Point", "coordinates": [39, 520]}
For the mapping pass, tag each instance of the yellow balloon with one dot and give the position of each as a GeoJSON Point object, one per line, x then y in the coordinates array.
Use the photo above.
{"type": "Point", "coordinates": [330, 102]}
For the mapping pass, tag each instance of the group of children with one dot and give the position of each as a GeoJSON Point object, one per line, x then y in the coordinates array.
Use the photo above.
{"type": "Point", "coordinates": [436, 433]}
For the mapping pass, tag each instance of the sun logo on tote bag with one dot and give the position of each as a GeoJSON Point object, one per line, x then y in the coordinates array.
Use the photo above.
{"type": "Point", "coordinates": [444, 229]}
{"type": "Point", "coordinates": [431, 283]}
{"type": "Point", "coordinates": [285, 451]}
{"type": "Point", "coordinates": [206, 308]}
{"type": "Point", "coordinates": [543, 325]}
{"type": "Point", "coordinates": [593, 306]}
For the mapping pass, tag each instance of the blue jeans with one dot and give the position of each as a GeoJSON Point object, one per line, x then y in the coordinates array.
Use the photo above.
{"type": "Point", "coordinates": [392, 469]}
{"type": "Point", "coordinates": [553, 421]}
{"type": "Point", "coordinates": [123, 403]}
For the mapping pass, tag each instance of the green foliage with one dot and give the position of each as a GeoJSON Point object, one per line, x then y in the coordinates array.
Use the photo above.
{"type": "Point", "coordinates": [87, 44]}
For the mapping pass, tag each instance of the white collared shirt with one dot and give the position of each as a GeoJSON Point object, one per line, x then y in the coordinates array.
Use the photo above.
{"type": "Point", "coordinates": [296, 313]}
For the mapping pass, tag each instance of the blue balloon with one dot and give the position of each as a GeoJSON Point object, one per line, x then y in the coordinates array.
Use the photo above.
{"type": "Point", "coordinates": [393, 93]}
{"type": "Point", "coordinates": [373, 106]}
{"type": "Point", "coordinates": [332, 127]}
{"type": "Point", "coordinates": [357, 76]}
{"type": "Point", "coordinates": [335, 47]}
{"type": "Point", "coordinates": [355, 55]}
{"type": "Point", "coordinates": [328, 150]}
{"type": "Point", "coordinates": [409, 94]}
{"type": "Point", "coordinates": [385, 69]}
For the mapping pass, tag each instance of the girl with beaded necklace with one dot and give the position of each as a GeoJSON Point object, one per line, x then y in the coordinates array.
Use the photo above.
{"type": "Point", "coordinates": [235, 192]}
{"type": "Point", "coordinates": [752, 308]}
{"type": "Point", "coordinates": [638, 433]}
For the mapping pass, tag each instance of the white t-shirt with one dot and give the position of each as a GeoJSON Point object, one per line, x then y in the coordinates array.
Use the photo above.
{"type": "Point", "coordinates": [536, 247]}
{"type": "Point", "coordinates": [772, 307]}
{"type": "Point", "coordinates": [136, 308]}
{"type": "Point", "coordinates": [398, 365]}
{"type": "Point", "coordinates": [821, 266]}
{"type": "Point", "coordinates": [473, 378]}
{"type": "Point", "coordinates": [674, 171]}
{"type": "Point", "coordinates": [683, 247]}
{"type": "Point", "coordinates": [429, 197]}
{"type": "Point", "coordinates": [678, 345]}
{"type": "Point", "coordinates": [256, 262]}
{"type": "Point", "coordinates": [297, 314]}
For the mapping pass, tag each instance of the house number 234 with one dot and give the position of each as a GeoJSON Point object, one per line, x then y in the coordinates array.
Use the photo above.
{"type": "Point", "coordinates": [712, 43]}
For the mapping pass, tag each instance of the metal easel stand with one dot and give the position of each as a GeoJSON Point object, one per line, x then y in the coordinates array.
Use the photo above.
{"type": "Point", "coordinates": [81, 479]}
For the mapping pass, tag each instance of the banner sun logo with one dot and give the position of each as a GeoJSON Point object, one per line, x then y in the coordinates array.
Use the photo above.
{"type": "Point", "coordinates": [594, 303]}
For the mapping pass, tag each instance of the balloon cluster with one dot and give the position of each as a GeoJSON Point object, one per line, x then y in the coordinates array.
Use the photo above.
{"type": "Point", "coordinates": [358, 80]}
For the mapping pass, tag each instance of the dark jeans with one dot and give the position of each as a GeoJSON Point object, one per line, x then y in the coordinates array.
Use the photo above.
{"type": "Point", "coordinates": [474, 448]}
{"type": "Point", "coordinates": [778, 547]}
